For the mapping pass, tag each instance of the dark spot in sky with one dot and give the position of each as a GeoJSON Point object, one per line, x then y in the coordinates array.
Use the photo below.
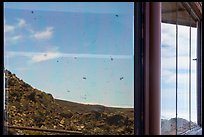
{"type": "Point", "coordinates": [75, 57]}
{"type": "Point", "coordinates": [111, 59]}
{"type": "Point", "coordinates": [84, 77]}
{"type": "Point", "coordinates": [68, 91]}
{"type": "Point", "coordinates": [121, 78]}
{"type": "Point", "coordinates": [32, 12]}
{"type": "Point", "coordinates": [116, 15]}
{"type": "Point", "coordinates": [57, 61]}
{"type": "Point", "coordinates": [84, 98]}
{"type": "Point", "coordinates": [45, 55]}
{"type": "Point", "coordinates": [164, 46]}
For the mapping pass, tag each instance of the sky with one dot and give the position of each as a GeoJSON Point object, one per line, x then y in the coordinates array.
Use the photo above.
{"type": "Point", "coordinates": [168, 72]}
{"type": "Point", "coordinates": [83, 52]}
{"type": "Point", "coordinates": [80, 52]}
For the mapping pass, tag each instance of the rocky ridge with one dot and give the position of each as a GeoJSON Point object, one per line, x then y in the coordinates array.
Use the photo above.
{"type": "Point", "coordinates": [168, 127]}
{"type": "Point", "coordinates": [30, 107]}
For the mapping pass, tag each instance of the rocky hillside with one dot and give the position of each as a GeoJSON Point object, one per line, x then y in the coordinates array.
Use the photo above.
{"type": "Point", "coordinates": [168, 127]}
{"type": "Point", "coordinates": [30, 107]}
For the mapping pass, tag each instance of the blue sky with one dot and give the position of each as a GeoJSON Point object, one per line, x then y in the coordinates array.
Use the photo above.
{"type": "Point", "coordinates": [81, 52]}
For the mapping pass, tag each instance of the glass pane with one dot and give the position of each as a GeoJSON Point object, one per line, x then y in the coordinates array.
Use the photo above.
{"type": "Point", "coordinates": [185, 79]}
{"type": "Point", "coordinates": [172, 14]}
{"type": "Point", "coordinates": [194, 75]}
{"type": "Point", "coordinates": [168, 65]}
{"type": "Point", "coordinates": [69, 66]}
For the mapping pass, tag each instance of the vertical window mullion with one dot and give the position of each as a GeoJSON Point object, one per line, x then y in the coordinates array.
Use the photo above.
{"type": "Point", "coordinates": [176, 60]}
{"type": "Point", "coordinates": [190, 76]}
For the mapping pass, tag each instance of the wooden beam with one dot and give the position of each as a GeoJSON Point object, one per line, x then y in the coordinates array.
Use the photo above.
{"type": "Point", "coordinates": [46, 130]}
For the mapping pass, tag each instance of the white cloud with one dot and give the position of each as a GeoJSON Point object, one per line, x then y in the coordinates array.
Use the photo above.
{"type": "Point", "coordinates": [168, 93]}
{"type": "Point", "coordinates": [43, 56]}
{"type": "Point", "coordinates": [10, 54]}
{"type": "Point", "coordinates": [44, 34]}
{"type": "Point", "coordinates": [8, 28]}
{"type": "Point", "coordinates": [17, 37]}
{"type": "Point", "coordinates": [12, 39]}
{"type": "Point", "coordinates": [46, 56]}
{"type": "Point", "coordinates": [34, 56]}
{"type": "Point", "coordinates": [170, 63]}
{"type": "Point", "coordinates": [168, 52]}
{"type": "Point", "coordinates": [21, 22]}
{"type": "Point", "coordinates": [168, 77]}
{"type": "Point", "coordinates": [183, 78]}
{"type": "Point", "coordinates": [168, 34]}
{"type": "Point", "coordinates": [31, 30]}
{"type": "Point", "coordinates": [97, 56]}
{"type": "Point", "coordinates": [168, 40]}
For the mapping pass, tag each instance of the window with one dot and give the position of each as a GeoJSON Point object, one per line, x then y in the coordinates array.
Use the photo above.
{"type": "Point", "coordinates": [69, 66]}
{"type": "Point", "coordinates": [178, 75]}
